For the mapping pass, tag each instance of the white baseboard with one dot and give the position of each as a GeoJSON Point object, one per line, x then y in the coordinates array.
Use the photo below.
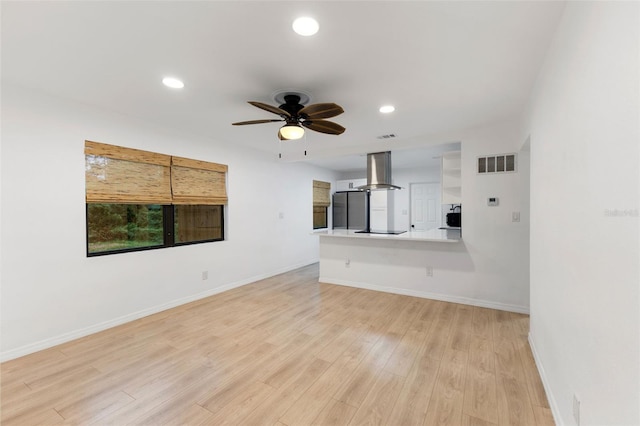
{"type": "Point", "coordinates": [76, 334]}
{"type": "Point", "coordinates": [426, 295]}
{"type": "Point", "coordinates": [545, 383]}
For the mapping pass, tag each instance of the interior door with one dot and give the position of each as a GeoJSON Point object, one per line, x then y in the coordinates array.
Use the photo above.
{"type": "Point", "coordinates": [425, 206]}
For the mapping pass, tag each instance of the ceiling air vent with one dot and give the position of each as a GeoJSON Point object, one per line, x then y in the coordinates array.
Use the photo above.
{"type": "Point", "coordinates": [389, 136]}
{"type": "Point", "coordinates": [502, 163]}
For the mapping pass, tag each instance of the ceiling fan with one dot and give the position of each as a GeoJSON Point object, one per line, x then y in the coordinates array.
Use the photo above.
{"type": "Point", "coordinates": [296, 116]}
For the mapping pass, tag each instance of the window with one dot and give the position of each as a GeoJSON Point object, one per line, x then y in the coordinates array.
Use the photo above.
{"type": "Point", "coordinates": [139, 200]}
{"type": "Point", "coordinates": [196, 223]}
{"type": "Point", "coordinates": [319, 217]}
{"type": "Point", "coordinates": [116, 227]}
{"type": "Point", "coordinates": [321, 203]}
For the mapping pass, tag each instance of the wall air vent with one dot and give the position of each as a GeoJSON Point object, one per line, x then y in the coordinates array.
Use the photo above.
{"type": "Point", "coordinates": [389, 136]}
{"type": "Point", "coordinates": [500, 163]}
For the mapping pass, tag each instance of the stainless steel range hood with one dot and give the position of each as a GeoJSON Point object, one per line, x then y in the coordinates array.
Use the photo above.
{"type": "Point", "coordinates": [378, 172]}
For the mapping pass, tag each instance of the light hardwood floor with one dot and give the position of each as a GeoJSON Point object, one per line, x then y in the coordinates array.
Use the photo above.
{"type": "Point", "coordinates": [288, 351]}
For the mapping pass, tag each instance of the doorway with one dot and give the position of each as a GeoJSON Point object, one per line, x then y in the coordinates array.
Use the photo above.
{"type": "Point", "coordinates": [425, 206]}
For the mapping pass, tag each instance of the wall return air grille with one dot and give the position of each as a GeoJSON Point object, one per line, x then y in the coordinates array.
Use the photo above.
{"type": "Point", "coordinates": [502, 163]}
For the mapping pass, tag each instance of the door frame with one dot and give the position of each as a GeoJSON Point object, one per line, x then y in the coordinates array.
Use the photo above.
{"type": "Point", "coordinates": [439, 202]}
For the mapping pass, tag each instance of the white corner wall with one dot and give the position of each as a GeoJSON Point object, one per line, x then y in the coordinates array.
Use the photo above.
{"type": "Point", "coordinates": [585, 198]}
{"type": "Point", "coordinates": [51, 292]}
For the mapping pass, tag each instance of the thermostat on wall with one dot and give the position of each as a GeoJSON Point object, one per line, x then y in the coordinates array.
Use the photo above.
{"type": "Point", "coordinates": [492, 201]}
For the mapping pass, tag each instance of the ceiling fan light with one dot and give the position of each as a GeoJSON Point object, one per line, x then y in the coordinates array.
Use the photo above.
{"type": "Point", "coordinates": [291, 132]}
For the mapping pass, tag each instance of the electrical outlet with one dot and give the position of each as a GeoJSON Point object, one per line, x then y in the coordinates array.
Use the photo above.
{"type": "Point", "coordinates": [347, 263]}
{"type": "Point", "coordinates": [576, 409]}
{"type": "Point", "coordinates": [205, 275]}
{"type": "Point", "coordinates": [429, 271]}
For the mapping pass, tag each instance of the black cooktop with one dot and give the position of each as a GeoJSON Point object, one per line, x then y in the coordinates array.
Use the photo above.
{"type": "Point", "coordinates": [373, 231]}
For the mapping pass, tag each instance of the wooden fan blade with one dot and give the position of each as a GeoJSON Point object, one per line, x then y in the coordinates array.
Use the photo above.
{"type": "Point", "coordinates": [242, 123]}
{"type": "Point", "coordinates": [327, 110]}
{"type": "Point", "coordinates": [270, 108]}
{"type": "Point", "coordinates": [324, 126]}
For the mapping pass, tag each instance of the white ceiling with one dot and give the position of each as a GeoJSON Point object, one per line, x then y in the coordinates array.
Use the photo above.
{"type": "Point", "coordinates": [444, 65]}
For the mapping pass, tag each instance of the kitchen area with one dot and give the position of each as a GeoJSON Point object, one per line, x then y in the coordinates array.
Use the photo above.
{"type": "Point", "coordinates": [396, 227]}
{"type": "Point", "coordinates": [426, 204]}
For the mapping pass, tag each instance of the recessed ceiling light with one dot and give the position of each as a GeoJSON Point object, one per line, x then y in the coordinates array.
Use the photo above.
{"type": "Point", "coordinates": [386, 109]}
{"type": "Point", "coordinates": [305, 26]}
{"type": "Point", "coordinates": [174, 83]}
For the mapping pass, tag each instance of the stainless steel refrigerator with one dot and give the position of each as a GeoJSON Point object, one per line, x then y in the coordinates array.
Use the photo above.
{"type": "Point", "coordinates": [350, 210]}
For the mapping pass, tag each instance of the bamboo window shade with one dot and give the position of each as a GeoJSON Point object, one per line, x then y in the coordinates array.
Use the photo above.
{"type": "Point", "coordinates": [115, 174]}
{"type": "Point", "coordinates": [198, 182]}
{"type": "Point", "coordinates": [321, 196]}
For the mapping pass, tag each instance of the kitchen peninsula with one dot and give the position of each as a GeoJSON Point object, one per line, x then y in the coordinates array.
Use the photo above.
{"type": "Point", "coordinates": [417, 263]}
{"type": "Point", "coordinates": [432, 235]}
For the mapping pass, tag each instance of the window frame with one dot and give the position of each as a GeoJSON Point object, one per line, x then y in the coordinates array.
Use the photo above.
{"type": "Point", "coordinates": [326, 218]}
{"type": "Point", "coordinates": [321, 198]}
{"type": "Point", "coordinates": [168, 227]}
{"type": "Point", "coordinates": [188, 243]}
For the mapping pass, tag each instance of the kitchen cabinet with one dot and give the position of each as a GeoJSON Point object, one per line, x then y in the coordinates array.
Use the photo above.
{"type": "Point", "coordinates": [381, 210]}
{"type": "Point", "coordinates": [452, 177]}
{"type": "Point", "coordinates": [350, 184]}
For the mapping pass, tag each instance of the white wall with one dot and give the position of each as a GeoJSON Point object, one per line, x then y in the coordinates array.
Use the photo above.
{"type": "Point", "coordinates": [490, 267]}
{"type": "Point", "coordinates": [51, 292]}
{"type": "Point", "coordinates": [585, 157]}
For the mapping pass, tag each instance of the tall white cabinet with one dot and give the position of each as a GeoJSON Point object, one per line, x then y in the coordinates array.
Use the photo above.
{"type": "Point", "coordinates": [381, 210]}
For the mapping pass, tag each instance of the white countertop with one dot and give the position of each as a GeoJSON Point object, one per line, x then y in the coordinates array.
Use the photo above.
{"type": "Point", "coordinates": [432, 235]}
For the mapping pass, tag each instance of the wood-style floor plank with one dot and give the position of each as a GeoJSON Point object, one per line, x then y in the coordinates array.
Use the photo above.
{"type": "Point", "coordinates": [514, 405]}
{"type": "Point", "coordinates": [480, 395]}
{"type": "Point", "coordinates": [335, 413]}
{"type": "Point", "coordinates": [315, 399]}
{"type": "Point", "coordinates": [447, 399]}
{"type": "Point", "coordinates": [358, 385]}
{"type": "Point", "coordinates": [288, 351]}
{"type": "Point", "coordinates": [376, 407]}
{"type": "Point", "coordinates": [411, 405]}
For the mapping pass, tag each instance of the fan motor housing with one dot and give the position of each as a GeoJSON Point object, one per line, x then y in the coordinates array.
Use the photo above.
{"type": "Point", "coordinates": [292, 104]}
